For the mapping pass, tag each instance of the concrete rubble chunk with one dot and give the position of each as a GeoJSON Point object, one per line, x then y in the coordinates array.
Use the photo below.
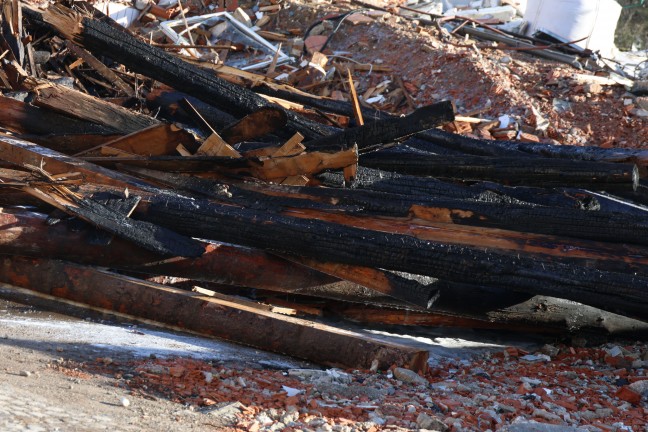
{"type": "Point", "coordinates": [409, 376]}
{"type": "Point", "coordinates": [424, 421]}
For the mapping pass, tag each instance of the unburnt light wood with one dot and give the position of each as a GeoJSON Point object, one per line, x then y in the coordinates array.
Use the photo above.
{"type": "Point", "coordinates": [85, 107]}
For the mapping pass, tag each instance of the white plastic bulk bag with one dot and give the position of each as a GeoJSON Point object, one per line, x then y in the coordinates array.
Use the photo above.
{"type": "Point", "coordinates": [575, 19]}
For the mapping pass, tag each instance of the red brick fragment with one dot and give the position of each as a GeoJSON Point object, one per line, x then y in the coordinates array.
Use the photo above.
{"type": "Point", "coordinates": [627, 394]}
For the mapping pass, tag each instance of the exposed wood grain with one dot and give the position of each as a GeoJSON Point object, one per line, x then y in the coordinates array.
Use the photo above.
{"type": "Point", "coordinates": [244, 324]}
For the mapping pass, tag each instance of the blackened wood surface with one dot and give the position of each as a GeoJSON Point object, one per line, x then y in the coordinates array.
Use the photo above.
{"type": "Point", "coordinates": [152, 237]}
{"type": "Point", "coordinates": [27, 233]}
{"type": "Point", "coordinates": [544, 172]}
{"type": "Point", "coordinates": [499, 148]}
{"type": "Point", "coordinates": [375, 133]}
{"type": "Point", "coordinates": [325, 241]}
{"type": "Point", "coordinates": [153, 62]}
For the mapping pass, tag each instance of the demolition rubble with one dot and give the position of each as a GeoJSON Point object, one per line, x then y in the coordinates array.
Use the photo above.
{"type": "Point", "coordinates": [268, 174]}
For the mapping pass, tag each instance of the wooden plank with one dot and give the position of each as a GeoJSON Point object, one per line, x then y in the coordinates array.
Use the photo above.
{"type": "Point", "coordinates": [295, 181]}
{"type": "Point", "coordinates": [183, 150]}
{"type": "Point", "coordinates": [255, 125]}
{"type": "Point", "coordinates": [111, 151]}
{"type": "Point", "coordinates": [156, 140]}
{"type": "Point", "coordinates": [101, 68]}
{"type": "Point", "coordinates": [85, 107]}
{"type": "Point", "coordinates": [216, 146]}
{"type": "Point", "coordinates": [20, 152]}
{"type": "Point", "coordinates": [243, 324]}
{"type": "Point", "coordinates": [292, 147]}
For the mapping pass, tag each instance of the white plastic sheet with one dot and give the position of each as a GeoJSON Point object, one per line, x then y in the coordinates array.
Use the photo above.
{"type": "Point", "coordinates": [571, 20]}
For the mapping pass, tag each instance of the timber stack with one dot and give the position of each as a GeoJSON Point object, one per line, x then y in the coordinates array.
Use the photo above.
{"type": "Point", "coordinates": [172, 190]}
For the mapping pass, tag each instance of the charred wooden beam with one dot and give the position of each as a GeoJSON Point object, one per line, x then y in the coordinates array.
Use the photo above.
{"type": "Point", "coordinates": [244, 324]}
{"type": "Point", "coordinates": [498, 148]}
{"type": "Point", "coordinates": [102, 39]}
{"type": "Point", "coordinates": [489, 213]}
{"type": "Point", "coordinates": [27, 233]}
{"type": "Point", "coordinates": [326, 241]}
{"type": "Point", "coordinates": [422, 188]}
{"type": "Point", "coordinates": [508, 170]}
{"type": "Point", "coordinates": [155, 238]}
{"type": "Point", "coordinates": [331, 242]}
{"type": "Point", "coordinates": [374, 134]}
{"type": "Point", "coordinates": [600, 255]}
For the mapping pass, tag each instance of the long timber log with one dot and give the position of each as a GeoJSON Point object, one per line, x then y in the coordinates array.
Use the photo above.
{"type": "Point", "coordinates": [544, 172]}
{"type": "Point", "coordinates": [150, 236]}
{"type": "Point", "coordinates": [338, 207]}
{"type": "Point", "coordinates": [500, 148]}
{"type": "Point", "coordinates": [600, 255]}
{"type": "Point", "coordinates": [593, 225]}
{"type": "Point", "coordinates": [423, 188]}
{"type": "Point", "coordinates": [623, 293]}
{"type": "Point", "coordinates": [545, 315]}
{"type": "Point", "coordinates": [331, 242]}
{"type": "Point", "coordinates": [244, 324]}
{"type": "Point", "coordinates": [27, 233]}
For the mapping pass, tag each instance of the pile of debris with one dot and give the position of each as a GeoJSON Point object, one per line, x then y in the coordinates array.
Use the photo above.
{"type": "Point", "coordinates": [176, 171]}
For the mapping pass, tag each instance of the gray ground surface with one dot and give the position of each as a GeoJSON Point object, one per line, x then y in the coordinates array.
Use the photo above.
{"type": "Point", "coordinates": [33, 337]}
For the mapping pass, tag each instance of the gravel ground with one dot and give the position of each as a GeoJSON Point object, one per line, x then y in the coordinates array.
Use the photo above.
{"type": "Point", "coordinates": [69, 374]}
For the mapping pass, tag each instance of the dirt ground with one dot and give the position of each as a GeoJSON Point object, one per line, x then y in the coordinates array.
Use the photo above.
{"type": "Point", "coordinates": [486, 83]}
{"type": "Point", "coordinates": [66, 373]}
